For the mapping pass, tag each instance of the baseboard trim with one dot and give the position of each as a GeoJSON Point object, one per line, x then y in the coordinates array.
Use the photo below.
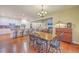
{"type": "Point", "coordinates": [75, 42]}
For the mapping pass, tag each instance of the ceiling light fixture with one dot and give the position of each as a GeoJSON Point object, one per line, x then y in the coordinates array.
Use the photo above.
{"type": "Point", "coordinates": [43, 12]}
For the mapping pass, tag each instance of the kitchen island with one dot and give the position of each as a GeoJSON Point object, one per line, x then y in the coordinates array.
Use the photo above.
{"type": "Point", "coordinates": [5, 34]}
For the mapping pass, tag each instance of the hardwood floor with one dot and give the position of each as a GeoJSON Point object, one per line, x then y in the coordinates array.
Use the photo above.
{"type": "Point", "coordinates": [18, 45]}
{"type": "Point", "coordinates": [21, 45]}
{"type": "Point", "coordinates": [69, 48]}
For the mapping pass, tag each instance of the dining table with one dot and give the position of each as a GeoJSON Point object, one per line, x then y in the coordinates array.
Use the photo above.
{"type": "Point", "coordinates": [46, 36]}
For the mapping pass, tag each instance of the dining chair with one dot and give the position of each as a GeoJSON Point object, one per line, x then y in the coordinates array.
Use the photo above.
{"type": "Point", "coordinates": [32, 41]}
{"type": "Point", "coordinates": [44, 46]}
{"type": "Point", "coordinates": [41, 45]}
{"type": "Point", "coordinates": [38, 44]}
{"type": "Point", "coordinates": [55, 43]}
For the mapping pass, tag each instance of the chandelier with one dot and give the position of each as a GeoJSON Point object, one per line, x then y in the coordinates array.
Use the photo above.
{"type": "Point", "coordinates": [43, 12]}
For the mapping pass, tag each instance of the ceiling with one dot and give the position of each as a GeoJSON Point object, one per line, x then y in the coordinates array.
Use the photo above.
{"type": "Point", "coordinates": [28, 12]}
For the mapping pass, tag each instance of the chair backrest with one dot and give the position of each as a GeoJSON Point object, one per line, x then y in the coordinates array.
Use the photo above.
{"type": "Point", "coordinates": [44, 42]}
{"type": "Point", "coordinates": [61, 37]}
{"type": "Point", "coordinates": [39, 41]}
{"type": "Point", "coordinates": [55, 43]}
{"type": "Point", "coordinates": [32, 37]}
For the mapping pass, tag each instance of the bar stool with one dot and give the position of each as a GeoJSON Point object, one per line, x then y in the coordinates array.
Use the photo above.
{"type": "Point", "coordinates": [26, 33]}
{"type": "Point", "coordinates": [15, 34]}
{"type": "Point", "coordinates": [22, 32]}
{"type": "Point", "coordinates": [55, 43]}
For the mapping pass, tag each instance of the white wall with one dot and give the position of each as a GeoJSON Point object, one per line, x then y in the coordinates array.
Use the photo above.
{"type": "Point", "coordinates": [69, 15]}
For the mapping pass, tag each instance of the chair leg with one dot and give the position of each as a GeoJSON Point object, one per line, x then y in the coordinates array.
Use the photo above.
{"type": "Point", "coordinates": [38, 48]}
{"type": "Point", "coordinates": [52, 50]}
{"type": "Point", "coordinates": [58, 50]}
{"type": "Point", "coordinates": [55, 50]}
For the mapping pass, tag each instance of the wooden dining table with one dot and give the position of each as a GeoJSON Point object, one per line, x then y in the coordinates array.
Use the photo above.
{"type": "Point", "coordinates": [45, 36]}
